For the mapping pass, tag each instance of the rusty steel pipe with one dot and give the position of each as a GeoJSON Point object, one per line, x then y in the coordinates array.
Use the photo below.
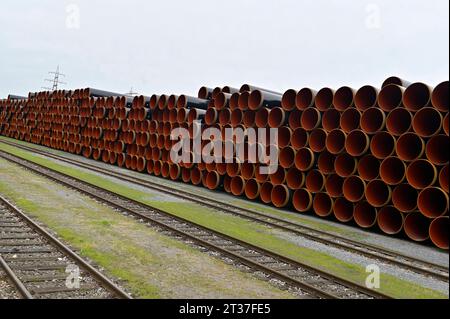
{"type": "Point", "coordinates": [305, 159]}
{"type": "Point", "coordinates": [325, 163]}
{"type": "Point", "coordinates": [433, 202]}
{"type": "Point", "coordinates": [324, 99]}
{"type": "Point", "coordinates": [244, 100]}
{"type": "Point", "coordinates": [288, 100]}
{"type": "Point", "coordinates": [213, 180]}
{"type": "Point", "coordinates": [331, 120]}
{"type": "Point", "coordinates": [365, 215]}
{"type": "Point", "coordinates": [369, 168]}
{"type": "Point", "coordinates": [252, 189]}
{"type": "Point", "coordinates": [345, 165]}
{"type": "Point", "coordinates": [445, 124]}
{"type": "Point", "coordinates": [277, 117]}
{"type": "Point", "coordinates": [315, 181]}
{"type": "Point", "coordinates": [439, 97]}
{"type": "Point", "coordinates": [266, 192]}
{"type": "Point", "coordinates": [300, 138]}
{"type": "Point", "coordinates": [205, 93]}
{"type": "Point", "coordinates": [250, 88]}
{"type": "Point", "coordinates": [249, 119]}
{"type": "Point", "coordinates": [323, 205]}
{"type": "Point", "coordinates": [399, 121]}
{"type": "Point", "coordinates": [334, 186]}
{"type": "Point", "coordinates": [390, 220]}
{"type": "Point", "coordinates": [174, 172]}
{"type": "Point", "coordinates": [222, 101]}
{"type": "Point", "coordinates": [191, 102]}
{"type": "Point", "coordinates": [227, 183]}
{"type": "Point", "coordinates": [350, 120]}
{"type": "Point", "coordinates": [295, 179]}
{"type": "Point", "coordinates": [280, 196]}
{"type": "Point", "coordinates": [344, 98]}
{"type": "Point", "coordinates": [444, 178]}
{"type": "Point", "coordinates": [302, 200]}
{"type": "Point", "coordinates": [287, 157]}
{"type": "Point", "coordinates": [259, 99]}
{"type": "Point", "coordinates": [262, 117]}
{"type": "Point", "coordinates": [378, 193]}
{"type": "Point", "coordinates": [397, 81]}
{"type": "Point", "coordinates": [393, 170]}
{"type": "Point", "coordinates": [310, 119]}
{"type": "Point", "coordinates": [284, 136]}
{"type": "Point", "coordinates": [354, 188]}
{"type": "Point", "coordinates": [437, 150]}
{"type": "Point", "coordinates": [427, 122]}
{"type": "Point", "coordinates": [211, 116]}
{"type": "Point", "coordinates": [373, 120]}
{"type": "Point", "coordinates": [150, 166]}
{"type": "Point", "coordinates": [234, 101]}
{"type": "Point", "coordinates": [196, 176]}
{"type": "Point", "coordinates": [237, 117]}
{"type": "Point", "coordinates": [279, 177]}
{"type": "Point", "coordinates": [421, 174]}
{"type": "Point", "coordinates": [294, 119]}
{"type": "Point", "coordinates": [417, 96]}
{"type": "Point", "coordinates": [224, 117]}
{"type": "Point", "coordinates": [410, 147]}
{"type": "Point", "coordinates": [317, 140]}
{"type": "Point", "coordinates": [417, 227]}
{"type": "Point", "coordinates": [366, 97]}
{"type": "Point", "coordinates": [141, 164]}
{"type": "Point", "coordinates": [438, 232]}
{"type": "Point", "coordinates": [343, 210]}
{"type": "Point", "coordinates": [357, 143]}
{"type": "Point", "coordinates": [391, 97]}
{"type": "Point", "coordinates": [335, 141]}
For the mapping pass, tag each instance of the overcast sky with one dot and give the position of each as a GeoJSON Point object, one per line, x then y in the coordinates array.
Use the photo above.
{"type": "Point", "coordinates": [177, 46]}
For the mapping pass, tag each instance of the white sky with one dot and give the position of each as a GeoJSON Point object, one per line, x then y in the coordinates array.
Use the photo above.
{"type": "Point", "coordinates": [177, 46]}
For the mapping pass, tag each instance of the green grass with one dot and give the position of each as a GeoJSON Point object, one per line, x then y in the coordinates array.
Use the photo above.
{"type": "Point", "coordinates": [248, 231]}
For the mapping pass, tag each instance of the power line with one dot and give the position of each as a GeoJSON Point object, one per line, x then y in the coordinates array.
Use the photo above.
{"type": "Point", "coordinates": [55, 81]}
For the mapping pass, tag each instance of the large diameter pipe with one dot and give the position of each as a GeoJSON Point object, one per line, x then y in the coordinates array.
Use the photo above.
{"type": "Point", "coordinates": [90, 92]}
{"type": "Point", "coordinates": [439, 97]}
{"type": "Point", "coordinates": [295, 179]}
{"type": "Point", "coordinates": [191, 102]}
{"type": "Point", "coordinates": [262, 117]}
{"type": "Point", "coordinates": [317, 140]}
{"type": "Point", "coordinates": [211, 116]}
{"type": "Point", "coordinates": [437, 150]}
{"type": "Point", "coordinates": [390, 220]}
{"type": "Point", "coordinates": [237, 185]}
{"type": "Point", "coordinates": [343, 210]}
{"type": "Point", "coordinates": [305, 98]}
{"type": "Point", "coordinates": [397, 81]}
{"type": "Point", "coordinates": [302, 200]}
{"type": "Point", "coordinates": [354, 189]}
{"type": "Point", "coordinates": [345, 165]}
{"type": "Point", "coordinates": [344, 98]}
{"type": "Point", "coordinates": [404, 198]}
{"type": "Point", "coordinates": [279, 177]}
{"type": "Point", "coordinates": [331, 120]}
{"type": "Point", "coordinates": [323, 204]}
{"type": "Point", "coordinates": [417, 96]}
{"type": "Point", "coordinates": [446, 124]}
{"type": "Point", "coordinates": [410, 147]}
{"type": "Point", "coordinates": [366, 98]}
{"type": "Point", "coordinates": [266, 192]}
{"type": "Point", "coordinates": [205, 93]}
{"type": "Point", "coordinates": [280, 196]}
{"type": "Point", "coordinates": [378, 193]}
{"type": "Point", "coordinates": [243, 100]}
{"type": "Point", "coordinates": [249, 118]}
{"type": "Point", "coordinates": [325, 163]}
{"type": "Point", "coordinates": [310, 119]}
{"type": "Point", "coordinates": [393, 170]}
{"type": "Point", "coordinates": [305, 159]}
{"type": "Point", "coordinates": [399, 121]}
{"type": "Point", "coordinates": [417, 227]}
{"type": "Point", "coordinates": [234, 101]}
{"type": "Point", "coordinates": [213, 180]}
{"type": "Point", "coordinates": [427, 122]}
{"type": "Point", "coordinates": [227, 183]}
{"type": "Point", "coordinates": [252, 189]}
{"type": "Point", "coordinates": [288, 100]}
{"type": "Point", "coordinates": [350, 120]}
{"type": "Point", "coordinates": [287, 157]}
{"type": "Point", "coordinates": [222, 101]}
{"type": "Point", "coordinates": [300, 138]}
{"type": "Point", "coordinates": [230, 90]}
{"type": "Point", "coordinates": [250, 88]}
{"type": "Point", "coordinates": [259, 99]}
{"type": "Point", "coordinates": [365, 215]}
{"type": "Point", "coordinates": [421, 174]}
{"type": "Point", "coordinates": [373, 120]}
{"type": "Point", "coordinates": [391, 97]}
{"type": "Point", "coordinates": [438, 232]}
{"type": "Point", "coordinates": [335, 141]}
{"type": "Point", "coordinates": [294, 119]}
{"type": "Point", "coordinates": [369, 168]}
{"type": "Point", "coordinates": [444, 178]}
{"type": "Point", "coordinates": [433, 202]}
{"type": "Point", "coordinates": [315, 181]}
{"type": "Point", "coordinates": [357, 143]}
{"type": "Point", "coordinates": [277, 117]}
{"type": "Point", "coordinates": [324, 99]}
{"type": "Point", "coordinates": [284, 136]}
{"type": "Point", "coordinates": [334, 186]}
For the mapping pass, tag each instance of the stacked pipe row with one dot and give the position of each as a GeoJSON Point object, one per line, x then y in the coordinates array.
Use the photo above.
{"type": "Point", "coordinates": [375, 157]}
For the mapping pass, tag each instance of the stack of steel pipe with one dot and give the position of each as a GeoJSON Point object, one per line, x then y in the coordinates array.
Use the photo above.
{"type": "Point", "coordinates": [374, 157]}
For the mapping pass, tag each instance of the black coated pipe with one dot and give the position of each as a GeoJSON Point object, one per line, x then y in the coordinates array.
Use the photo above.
{"type": "Point", "coordinates": [191, 102]}
{"type": "Point", "coordinates": [251, 88]}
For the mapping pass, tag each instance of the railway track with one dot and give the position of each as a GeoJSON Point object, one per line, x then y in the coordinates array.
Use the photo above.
{"type": "Point", "coordinates": [41, 267]}
{"type": "Point", "coordinates": [309, 282]}
{"type": "Point", "coordinates": [370, 251]}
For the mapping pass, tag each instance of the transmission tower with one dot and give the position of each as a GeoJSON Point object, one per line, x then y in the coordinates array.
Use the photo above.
{"type": "Point", "coordinates": [131, 93]}
{"type": "Point", "coordinates": [55, 81]}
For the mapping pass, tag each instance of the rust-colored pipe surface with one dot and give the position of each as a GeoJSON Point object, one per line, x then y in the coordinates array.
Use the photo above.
{"type": "Point", "coordinates": [227, 183]}
{"type": "Point", "coordinates": [369, 167]}
{"type": "Point", "coordinates": [439, 97]}
{"type": "Point", "coordinates": [317, 140]}
{"type": "Point", "coordinates": [249, 118]}
{"type": "Point", "coordinates": [234, 101]}
{"type": "Point", "coordinates": [335, 141]}
{"type": "Point", "coordinates": [393, 170]}
{"type": "Point", "coordinates": [404, 198]}
{"type": "Point", "coordinates": [311, 119]}
{"type": "Point", "coordinates": [247, 170]}
{"type": "Point", "coordinates": [446, 124]}
{"type": "Point", "coordinates": [331, 120]}
{"type": "Point", "coordinates": [437, 149]}
{"type": "Point", "coordinates": [345, 165]}
{"type": "Point", "coordinates": [252, 189]}
{"type": "Point", "coordinates": [334, 185]}
{"type": "Point", "coordinates": [284, 136]}
{"type": "Point", "coordinates": [212, 180]}
{"type": "Point", "coordinates": [280, 196]}
{"type": "Point", "coordinates": [344, 98]}
{"type": "Point", "coordinates": [417, 96]}
{"type": "Point", "coordinates": [390, 220]}
{"type": "Point", "coordinates": [141, 164]}
{"type": "Point", "coordinates": [244, 100]}
{"type": "Point", "coordinates": [150, 166]}
{"type": "Point", "coordinates": [350, 120]}
{"type": "Point", "coordinates": [211, 116]}
{"type": "Point", "coordinates": [222, 101]}
{"type": "Point", "coordinates": [343, 210]}
{"type": "Point", "coordinates": [323, 204]}
{"type": "Point", "coordinates": [205, 93]}
{"type": "Point", "coordinates": [365, 215]}
{"type": "Point", "coordinates": [444, 178]}
{"type": "Point", "coordinates": [433, 202]}
{"type": "Point", "coordinates": [259, 99]}
{"type": "Point", "coordinates": [378, 193]}
{"type": "Point", "coordinates": [237, 185]}
{"type": "Point", "coordinates": [325, 163]}
{"type": "Point", "coordinates": [237, 116]}
{"type": "Point", "coordinates": [266, 192]}
{"type": "Point", "coordinates": [300, 138]}
{"type": "Point", "coordinates": [417, 227]}
{"type": "Point", "coordinates": [305, 159]}
{"type": "Point", "coordinates": [410, 147]}
{"type": "Point", "coordinates": [295, 179]}
{"type": "Point", "coordinates": [251, 88]}
{"type": "Point", "coordinates": [373, 120]}
{"type": "Point", "coordinates": [279, 177]}
{"type": "Point", "coordinates": [438, 232]}
{"type": "Point", "coordinates": [324, 99]}
{"type": "Point", "coordinates": [305, 98]}
{"type": "Point", "coordinates": [157, 168]}
{"type": "Point", "coordinates": [421, 174]}
{"type": "Point", "coordinates": [262, 117]}
{"type": "Point", "coordinates": [294, 119]}
{"type": "Point", "coordinates": [196, 176]}
{"type": "Point", "coordinates": [277, 117]}
{"type": "Point", "coordinates": [354, 188]}
{"type": "Point", "coordinates": [391, 97]}
{"type": "Point", "coordinates": [225, 116]}
{"type": "Point", "coordinates": [315, 181]}
{"type": "Point", "coordinates": [399, 121]}
{"type": "Point", "coordinates": [427, 122]}
{"type": "Point", "coordinates": [302, 200]}
{"type": "Point", "coordinates": [174, 172]}
{"type": "Point", "coordinates": [165, 170]}
{"type": "Point", "coordinates": [287, 157]}
{"type": "Point", "coordinates": [288, 100]}
{"type": "Point", "coordinates": [357, 143]}
{"type": "Point", "coordinates": [366, 97]}
{"type": "Point", "coordinates": [397, 81]}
